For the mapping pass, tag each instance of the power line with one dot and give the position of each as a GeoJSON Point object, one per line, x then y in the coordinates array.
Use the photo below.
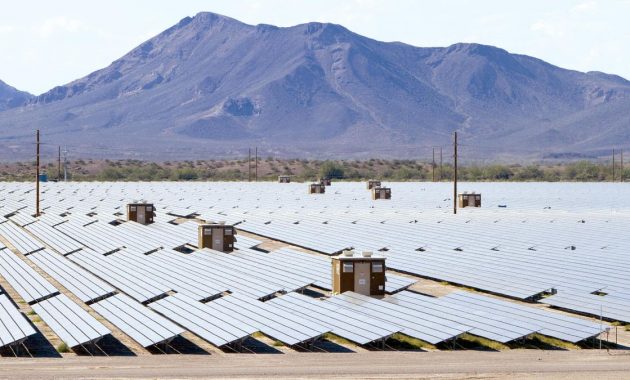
{"type": "Point", "coordinates": [65, 164]}
{"type": "Point", "coordinates": [59, 164]}
{"type": "Point", "coordinates": [613, 165]}
{"type": "Point", "coordinates": [455, 173]}
{"type": "Point", "coordinates": [433, 166]}
{"type": "Point", "coordinates": [440, 164]}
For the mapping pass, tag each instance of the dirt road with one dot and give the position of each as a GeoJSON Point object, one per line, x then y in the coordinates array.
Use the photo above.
{"type": "Point", "coordinates": [401, 365]}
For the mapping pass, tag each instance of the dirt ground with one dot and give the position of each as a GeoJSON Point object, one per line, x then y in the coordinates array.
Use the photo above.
{"type": "Point", "coordinates": [520, 364]}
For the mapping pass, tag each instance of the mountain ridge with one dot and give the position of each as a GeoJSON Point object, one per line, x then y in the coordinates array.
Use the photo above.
{"type": "Point", "coordinates": [212, 85]}
{"type": "Point", "coordinates": [10, 97]}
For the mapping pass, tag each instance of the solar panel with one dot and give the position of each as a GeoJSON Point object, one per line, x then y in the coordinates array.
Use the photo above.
{"type": "Point", "coordinates": [246, 242]}
{"type": "Point", "coordinates": [215, 325]}
{"type": "Point", "coordinates": [482, 322]}
{"type": "Point", "coordinates": [167, 237]}
{"type": "Point", "coordinates": [142, 324]}
{"type": "Point", "coordinates": [212, 275]}
{"type": "Point", "coordinates": [280, 279]}
{"type": "Point", "coordinates": [127, 279]}
{"type": "Point", "coordinates": [88, 238]}
{"type": "Point", "coordinates": [54, 238]}
{"type": "Point", "coordinates": [29, 284]}
{"type": "Point", "coordinates": [359, 328]}
{"type": "Point", "coordinates": [22, 219]}
{"type": "Point", "coordinates": [273, 321]}
{"type": "Point", "coordinates": [425, 327]}
{"type": "Point", "coordinates": [69, 322]}
{"type": "Point", "coordinates": [166, 276]}
{"type": "Point", "coordinates": [606, 306]}
{"type": "Point", "coordinates": [552, 324]}
{"type": "Point", "coordinates": [19, 238]}
{"type": "Point", "coordinates": [14, 328]}
{"type": "Point", "coordinates": [80, 282]}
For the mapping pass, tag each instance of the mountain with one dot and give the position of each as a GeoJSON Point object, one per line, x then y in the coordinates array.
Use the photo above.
{"type": "Point", "coordinates": [12, 98]}
{"type": "Point", "coordinates": [211, 86]}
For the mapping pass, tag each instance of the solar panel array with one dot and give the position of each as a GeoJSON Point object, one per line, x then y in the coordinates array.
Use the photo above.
{"type": "Point", "coordinates": [75, 326]}
{"type": "Point", "coordinates": [498, 320]}
{"type": "Point", "coordinates": [14, 328]}
{"type": "Point", "coordinates": [361, 329]}
{"type": "Point", "coordinates": [31, 286]}
{"type": "Point", "coordinates": [19, 238]}
{"type": "Point", "coordinates": [560, 239]}
{"type": "Point", "coordinates": [218, 326]}
{"type": "Point", "coordinates": [143, 325]}
{"type": "Point", "coordinates": [87, 287]}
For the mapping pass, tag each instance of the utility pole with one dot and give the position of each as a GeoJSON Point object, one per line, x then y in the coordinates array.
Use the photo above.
{"type": "Point", "coordinates": [621, 171]}
{"type": "Point", "coordinates": [613, 166]}
{"type": "Point", "coordinates": [37, 176]}
{"type": "Point", "coordinates": [59, 164]}
{"type": "Point", "coordinates": [433, 166]}
{"type": "Point", "coordinates": [440, 164]}
{"type": "Point", "coordinates": [65, 164]}
{"type": "Point", "coordinates": [455, 174]}
{"type": "Point", "coordinates": [256, 164]}
{"type": "Point", "coordinates": [249, 166]}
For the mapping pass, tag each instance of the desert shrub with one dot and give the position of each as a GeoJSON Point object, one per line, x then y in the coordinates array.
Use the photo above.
{"type": "Point", "coordinates": [529, 173]}
{"type": "Point", "coordinates": [331, 169]}
{"type": "Point", "coordinates": [498, 172]}
{"type": "Point", "coordinates": [405, 173]}
{"type": "Point", "coordinates": [63, 348]}
{"type": "Point", "coordinates": [186, 174]}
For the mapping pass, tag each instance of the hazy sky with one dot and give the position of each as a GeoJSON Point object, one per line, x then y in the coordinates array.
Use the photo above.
{"type": "Point", "coordinates": [49, 43]}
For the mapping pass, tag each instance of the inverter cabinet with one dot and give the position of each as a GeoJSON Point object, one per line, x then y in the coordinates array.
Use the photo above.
{"type": "Point", "coordinates": [142, 213]}
{"type": "Point", "coordinates": [316, 188]}
{"type": "Point", "coordinates": [217, 236]}
{"type": "Point", "coordinates": [373, 183]}
{"type": "Point", "coordinates": [359, 273]}
{"type": "Point", "coordinates": [381, 193]}
{"type": "Point", "coordinates": [469, 200]}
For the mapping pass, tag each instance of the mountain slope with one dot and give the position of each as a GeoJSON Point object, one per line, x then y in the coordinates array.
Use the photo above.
{"type": "Point", "coordinates": [11, 97]}
{"type": "Point", "coordinates": [211, 85]}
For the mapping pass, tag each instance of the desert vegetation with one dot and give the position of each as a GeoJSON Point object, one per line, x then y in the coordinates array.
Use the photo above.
{"type": "Point", "coordinates": [307, 170]}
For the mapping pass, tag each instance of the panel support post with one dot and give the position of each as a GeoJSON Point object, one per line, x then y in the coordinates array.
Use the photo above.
{"type": "Point", "coordinates": [37, 178]}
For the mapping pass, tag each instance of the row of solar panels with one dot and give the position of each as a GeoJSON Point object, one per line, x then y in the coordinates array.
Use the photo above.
{"type": "Point", "coordinates": [83, 284]}
{"type": "Point", "coordinates": [525, 275]}
{"type": "Point", "coordinates": [187, 209]}
{"type": "Point", "coordinates": [187, 196]}
{"type": "Point", "coordinates": [14, 328]}
{"type": "Point", "coordinates": [546, 234]}
{"type": "Point", "coordinates": [521, 274]}
{"type": "Point", "coordinates": [255, 316]}
{"type": "Point", "coordinates": [535, 228]}
{"type": "Point", "coordinates": [107, 239]}
{"type": "Point", "coordinates": [357, 318]}
{"type": "Point", "coordinates": [73, 324]}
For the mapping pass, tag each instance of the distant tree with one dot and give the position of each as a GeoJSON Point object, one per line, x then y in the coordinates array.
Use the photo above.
{"type": "Point", "coordinates": [498, 172]}
{"type": "Point", "coordinates": [529, 173]}
{"type": "Point", "coordinates": [406, 173]}
{"type": "Point", "coordinates": [583, 171]}
{"type": "Point", "coordinates": [187, 174]}
{"type": "Point", "coordinates": [331, 169]}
